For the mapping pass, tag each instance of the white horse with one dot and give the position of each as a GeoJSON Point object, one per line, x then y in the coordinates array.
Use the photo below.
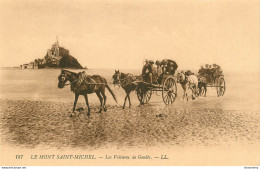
{"type": "Point", "coordinates": [188, 82]}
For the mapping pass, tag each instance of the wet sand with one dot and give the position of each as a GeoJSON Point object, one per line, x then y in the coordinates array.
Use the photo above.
{"type": "Point", "coordinates": [27, 123]}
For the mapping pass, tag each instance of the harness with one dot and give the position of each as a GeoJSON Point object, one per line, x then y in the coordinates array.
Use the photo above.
{"type": "Point", "coordinates": [123, 80]}
{"type": "Point", "coordinates": [185, 79]}
{"type": "Point", "coordinates": [62, 75]}
{"type": "Point", "coordinates": [92, 80]}
{"type": "Point", "coordinates": [71, 82]}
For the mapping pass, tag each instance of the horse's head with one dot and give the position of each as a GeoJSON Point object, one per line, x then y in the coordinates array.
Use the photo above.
{"type": "Point", "coordinates": [116, 77]}
{"type": "Point", "coordinates": [62, 79]}
{"type": "Point", "coordinates": [180, 77]}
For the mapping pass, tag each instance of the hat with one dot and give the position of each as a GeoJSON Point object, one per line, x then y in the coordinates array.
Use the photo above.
{"type": "Point", "coordinates": [158, 62]}
{"type": "Point", "coordinates": [151, 61]}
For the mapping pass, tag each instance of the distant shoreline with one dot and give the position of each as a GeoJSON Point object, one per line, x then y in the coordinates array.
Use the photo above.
{"type": "Point", "coordinates": [225, 71]}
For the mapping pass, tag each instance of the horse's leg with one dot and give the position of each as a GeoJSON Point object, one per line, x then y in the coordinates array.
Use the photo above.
{"type": "Point", "coordinates": [101, 101]}
{"type": "Point", "coordinates": [205, 89]}
{"type": "Point", "coordinates": [128, 95]}
{"type": "Point", "coordinates": [125, 101]}
{"type": "Point", "coordinates": [199, 89]}
{"type": "Point", "coordinates": [142, 95]}
{"type": "Point", "coordinates": [184, 92]}
{"type": "Point", "coordinates": [196, 90]}
{"type": "Point", "coordinates": [186, 89]}
{"type": "Point", "coordinates": [75, 102]}
{"type": "Point", "coordinates": [86, 99]}
{"type": "Point", "coordinates": [193, 90]}
{"type": "Point", "coordinates": [105, 98]}
{"type": "Point", "coordinates": [192, 96]}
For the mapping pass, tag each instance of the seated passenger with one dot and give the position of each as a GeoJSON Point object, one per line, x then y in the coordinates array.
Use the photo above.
{"type": "Point", "coordinates": [158, 68]}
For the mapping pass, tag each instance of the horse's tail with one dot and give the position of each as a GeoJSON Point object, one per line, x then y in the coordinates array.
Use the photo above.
{"type": "Point", "coordinates": [112, 93]}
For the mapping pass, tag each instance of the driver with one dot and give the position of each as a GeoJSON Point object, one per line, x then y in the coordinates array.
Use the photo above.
{"type": "Point", "coordinates": [147, 71]}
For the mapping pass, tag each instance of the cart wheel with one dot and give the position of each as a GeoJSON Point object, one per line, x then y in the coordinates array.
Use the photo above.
{"type": "Point", "coordinates": [169, 90]}
{"type": "Point", "coordinates": [145, 92]}
{"type": "Point", "coordinates": [221, 86]}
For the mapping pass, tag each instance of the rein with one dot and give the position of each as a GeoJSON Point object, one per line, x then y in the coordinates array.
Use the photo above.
{"type": "Point", "coordinates": [71, 82]}
{"type": "Point", "coordinates": [124, 79]}
{"type": "Point", "coordinates": [117, 85]}
{"type": "Point", "coordinates": [121, 81]}
{"type": "Point", "coordinates": [89, 83]}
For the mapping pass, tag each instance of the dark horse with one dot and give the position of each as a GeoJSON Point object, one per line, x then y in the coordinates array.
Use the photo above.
{"type": "Point", "coordinates": [82, 84]}
{"type": "Point", "coordinates": [128, 82]}
{"type": "Point", "coordinates": [202, 84]}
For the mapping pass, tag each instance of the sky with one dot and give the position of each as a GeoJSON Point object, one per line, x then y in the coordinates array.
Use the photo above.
{"type": "Point", "coordinates": [118, 34]}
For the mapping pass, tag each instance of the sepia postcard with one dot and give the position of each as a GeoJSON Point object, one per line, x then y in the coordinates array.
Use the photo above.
{"type": "Point", "coordinates": [129, 83]}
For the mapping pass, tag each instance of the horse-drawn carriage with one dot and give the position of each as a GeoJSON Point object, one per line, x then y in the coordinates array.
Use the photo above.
{"type": "Point", "coordinates": [212, 76]}
{"type": "Point", "coordinates": [161, 80]}
{"type": "Point", "coordinates": [152, 80]}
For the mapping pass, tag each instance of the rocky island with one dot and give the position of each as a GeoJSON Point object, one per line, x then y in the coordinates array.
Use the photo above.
{"type": "Point", "coordinates": [56, 57]}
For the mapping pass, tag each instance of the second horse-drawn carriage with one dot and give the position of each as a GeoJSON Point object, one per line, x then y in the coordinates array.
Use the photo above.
{"type": "Point", "coordinates": [212, 76]}
{"type": "Point", "coordinates": [159, 79]}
